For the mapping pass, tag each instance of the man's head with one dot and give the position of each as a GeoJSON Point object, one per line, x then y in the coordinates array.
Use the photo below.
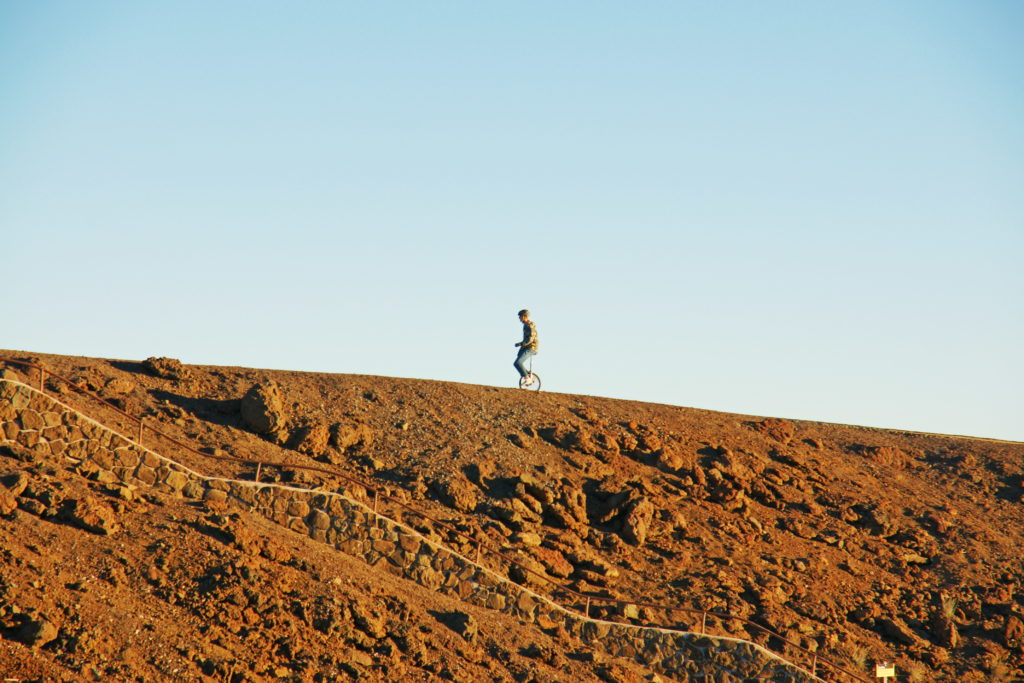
{"type": "Point", "coordinates": [524, 315]}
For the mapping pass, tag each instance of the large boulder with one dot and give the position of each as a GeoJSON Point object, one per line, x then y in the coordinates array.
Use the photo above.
{"type": "Point", "coordinates": [15, 483]}
{"type": "Point", "coordinates": [37, 632]}
{"type": "Point", "coordinates": [554, 561]}
{"type": "Point", "coordinates": [369, 620]}
{"type": "Point", "coordinates": [91, 514]}
{"type": "Point", "coordinates": [886, 456]}
{"type": "Point", "coordinates": [168, 368]}
{"type": "Point", "coordinates": [8, 502]}
{"type": "Point", "coordinates": [346, 436]}
{"type": "Point", "coordinates": [569, 437]}
{"type": "Point", "coordinates": [776, 429]}
{"type": "Point", "coordinates": [456, 492]}
{"type": "Point", "coordinates": [527, 571]}
{"type": "Point", "coordinates": [311, 439]}
{"type": "Point", "coordinates": [569, 509]}
{"type": "Point", "coordinates": [1013, 631]}
{"type": "Point", "coordinates": [11, 486]}
{"type": "Point", "coordinates": [118, 386]}
{"type": "Point", "coordinates": [263, 410]}
{"type": "Point", "coordinates": [896, 630]}
{"type": "Point", "coordinates": [463, 624]}
{"type": "Point", "coordinates": [637, 522]}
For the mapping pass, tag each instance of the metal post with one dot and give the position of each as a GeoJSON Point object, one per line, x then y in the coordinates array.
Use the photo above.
{"type": "Point", "coordinates": [259, 466]}
{"type": "Point", "coordinates": [42, 376]}
{"type": "Point", "coordinates": [703, 622]}
{"type": "Point", "coordinates": [587, 612]}
{"type": "Point", "coordinates": [376, 493]}
{"type": "Point", "coordinates": [141, 420]}
{"type": "Point", "coordinates": [814, 665]}
{"type": "Point", "coordinates": [477, 560]}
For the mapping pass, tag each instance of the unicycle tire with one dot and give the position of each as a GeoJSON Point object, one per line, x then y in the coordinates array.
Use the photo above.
{"type": "Point", "coordinates": [530, 382]}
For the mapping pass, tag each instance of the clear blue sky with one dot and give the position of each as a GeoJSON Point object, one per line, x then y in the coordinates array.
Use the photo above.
{"type": "Point", "coordinates": [801, 209]}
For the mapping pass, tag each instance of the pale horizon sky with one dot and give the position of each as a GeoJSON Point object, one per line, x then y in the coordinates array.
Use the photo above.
{"type": "Point", "coordinates": [798, 209]}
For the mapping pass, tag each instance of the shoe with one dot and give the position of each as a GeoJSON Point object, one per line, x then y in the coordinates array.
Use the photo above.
{"type": "Point", "coordinates": [528, 380]}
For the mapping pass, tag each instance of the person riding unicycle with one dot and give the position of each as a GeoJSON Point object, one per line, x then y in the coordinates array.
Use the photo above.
{"type": "Point", "coordinates": [527, 349]}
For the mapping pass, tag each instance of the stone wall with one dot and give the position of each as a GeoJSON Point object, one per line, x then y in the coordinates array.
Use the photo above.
{"type": "Point", "coordinates": [52, 429]}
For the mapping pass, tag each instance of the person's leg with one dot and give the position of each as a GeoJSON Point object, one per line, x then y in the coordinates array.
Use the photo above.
{"type": "Point", "coordinates": [520, 364]}
{"type": "Point", "coordinates": [521, 360]}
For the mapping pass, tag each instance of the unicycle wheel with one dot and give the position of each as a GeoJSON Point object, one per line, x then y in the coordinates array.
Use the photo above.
{"type": "Point", "coordinates": [530, 382]}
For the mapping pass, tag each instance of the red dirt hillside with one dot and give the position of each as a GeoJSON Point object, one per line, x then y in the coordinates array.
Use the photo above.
{"type": "Point", "coordinates": [857, 543]}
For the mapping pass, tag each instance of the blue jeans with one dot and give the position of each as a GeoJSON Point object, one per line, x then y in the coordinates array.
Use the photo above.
{"type": "Point", "coordinates": [525, 355]}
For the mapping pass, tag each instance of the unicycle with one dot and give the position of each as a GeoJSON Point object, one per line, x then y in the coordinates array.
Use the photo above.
{"type": "Point", "coordinates": [530, 380]}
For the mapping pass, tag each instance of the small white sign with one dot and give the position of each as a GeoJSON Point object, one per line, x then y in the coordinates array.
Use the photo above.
{"type": "Point", "coordinates": [885, 670]}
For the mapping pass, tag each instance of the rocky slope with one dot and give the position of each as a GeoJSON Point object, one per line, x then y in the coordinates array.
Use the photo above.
{"type": "Point", "coordinates": [858, 543]}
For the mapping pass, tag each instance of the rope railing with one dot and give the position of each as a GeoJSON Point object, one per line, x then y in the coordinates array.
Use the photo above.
{"type": "Point", "coordinates": [584, 602]}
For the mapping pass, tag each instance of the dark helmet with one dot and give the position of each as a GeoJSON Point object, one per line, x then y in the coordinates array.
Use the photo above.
{"type": "Point", "coordinates": [524, 312]}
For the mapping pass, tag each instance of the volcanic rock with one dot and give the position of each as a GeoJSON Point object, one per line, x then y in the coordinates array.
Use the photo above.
{"type": "Point", "coordinates": [167, 368]}
{"type": "Point", "coordinates": [463, 624]}
{"type": "Point", "coordinates": [528, 571]}
{"type": "Point", "coordinates": [455, 491]}
{"type": "Point", "coordinates": [896, 630]}
{"type": "Point", "coordinates": [554, 561]}
{"type": "Point", "coordinates": [1013, 631]}
{"type": "Point", "coordinates": [37, 632]}
{"type": "Point", "coordinates": [310, 439]}
{"type": "Point", "coordinates": [91, 514]}
{"type": "Point", "coordinates": [15, 483]}
{"type": "Point", "coordinates": [263, 409]}
{"type": "Point", "coordinates": [637, 521]}
{"type": "Point", "coordinates": [527, 539]}
{"type": "Point", "coordinates": [118, 385]}
{"type": "Point", "coordinates": [774, 428]}
{"type": "Point", "coordinates": [347, 436]}
{"type": "Point", "coordinates": [8, 502]}
{"type": "Point", "coordinates": [886, 456]}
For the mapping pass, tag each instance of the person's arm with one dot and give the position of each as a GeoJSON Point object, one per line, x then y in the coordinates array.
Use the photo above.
{"type": "Point", "coordinates": [529, 334]}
